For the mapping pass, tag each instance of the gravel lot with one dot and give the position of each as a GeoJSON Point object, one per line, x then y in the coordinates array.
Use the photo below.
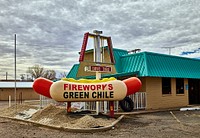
{"type": "Point", "coordinates": [183, 124]}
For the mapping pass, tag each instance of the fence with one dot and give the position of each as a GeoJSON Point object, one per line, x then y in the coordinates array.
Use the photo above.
{"type": "Point", "coordinates": [139, 100]}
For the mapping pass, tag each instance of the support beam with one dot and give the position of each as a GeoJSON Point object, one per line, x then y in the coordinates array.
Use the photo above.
{"type": "Point", "coordinates": [111, 106]}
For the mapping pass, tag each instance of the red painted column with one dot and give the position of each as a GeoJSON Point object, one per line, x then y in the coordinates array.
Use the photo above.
{"type": "Point", "coordinates": [111, 106]}
{"type": "Point", "coordinates": [68, 107]}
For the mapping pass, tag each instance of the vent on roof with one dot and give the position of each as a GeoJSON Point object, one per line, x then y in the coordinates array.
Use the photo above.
{"type": "Point", "coordinates": [134, 51]}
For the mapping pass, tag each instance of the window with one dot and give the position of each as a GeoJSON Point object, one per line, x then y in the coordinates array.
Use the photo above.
{"type": "Point", "coordinates": [166, 85]}
{"type": "Point", "coordinates": [179, 86]}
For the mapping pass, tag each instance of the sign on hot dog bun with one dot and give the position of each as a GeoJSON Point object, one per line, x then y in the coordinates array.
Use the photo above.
{"type": "Point", "coordinates": [105, 91]}
{"type": "Point", "coordinates": [85, 90]}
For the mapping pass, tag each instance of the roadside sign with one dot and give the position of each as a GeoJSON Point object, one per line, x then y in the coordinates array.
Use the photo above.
{"type": "Point", "coordinates": [98, 68]}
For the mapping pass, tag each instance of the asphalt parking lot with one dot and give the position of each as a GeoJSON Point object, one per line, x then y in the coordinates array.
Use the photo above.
{"type": "Point", "coordinates": [165, 124]}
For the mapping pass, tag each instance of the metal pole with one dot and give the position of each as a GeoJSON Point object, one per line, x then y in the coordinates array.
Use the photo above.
{"type": "Point", "coordinates": [105, 103]}
{"type": "Point", "coordinates": [170, 51]}
{"type": "Point", "coordinates": [97, 59]}
{"type": "Point", "coordinates": [15, 71]}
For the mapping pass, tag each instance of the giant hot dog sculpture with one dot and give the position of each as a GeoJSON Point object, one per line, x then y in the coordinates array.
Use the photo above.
{"type": "Point", "coordinates": [84, 90]}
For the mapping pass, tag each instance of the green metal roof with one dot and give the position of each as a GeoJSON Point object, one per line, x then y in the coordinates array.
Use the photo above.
{"type": "Point", "coordinates": [133, 63]}
{"type": "Point", "coordinates": [148, 64]}
{"type": "Point", "coordinates": [172, 66]}
{"type": "Point", "coordinates": [117, 55]}
{"type": "Point", "coordinates": [73, 71]}
{"type": "Point", "coordinates": [160, 65]}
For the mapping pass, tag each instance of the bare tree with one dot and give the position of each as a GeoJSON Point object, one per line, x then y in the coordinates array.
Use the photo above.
{"type": "Point", "coordinates": [38, 71]}
{"type": "Point", "coordinates": [50, 74]}
{"type": "Point", "coordinates": [63, 75]}
{"type": "Point", "coordinates": [22, 77]}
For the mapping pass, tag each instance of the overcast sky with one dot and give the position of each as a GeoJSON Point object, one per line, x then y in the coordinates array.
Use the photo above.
{"type": "Point", "coordinates": [50, 32]}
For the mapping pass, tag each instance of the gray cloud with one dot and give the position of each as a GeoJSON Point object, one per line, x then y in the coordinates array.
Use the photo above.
{"type": "Point", "coordinates": [50, 32]}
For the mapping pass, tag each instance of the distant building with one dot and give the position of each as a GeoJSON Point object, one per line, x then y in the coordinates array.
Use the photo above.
{"type": "Point", "coordinates": [169, 81]}
{"type": "Point", "coordinates": [24, 90]}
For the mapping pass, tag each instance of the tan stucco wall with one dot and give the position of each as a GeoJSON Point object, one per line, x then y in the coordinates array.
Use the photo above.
{"type": "Point", "coordinates": [27, 94]}
{"type": "Point", "coordinates": [89, 61]}
{"type": "Point", "coordinates": [143, 89]}
{"type": "Point", "coordinates": [155, 98]}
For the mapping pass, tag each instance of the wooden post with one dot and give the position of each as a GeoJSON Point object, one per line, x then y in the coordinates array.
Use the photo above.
{"type": "Point", "coordinates": [9, 100]}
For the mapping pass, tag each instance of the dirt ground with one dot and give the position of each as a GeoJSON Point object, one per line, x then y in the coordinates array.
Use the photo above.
{"type": "Point", "coordinates": [165, 124]}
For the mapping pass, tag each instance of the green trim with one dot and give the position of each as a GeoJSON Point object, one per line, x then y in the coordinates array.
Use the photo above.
{"type": "Point", "coordinates": [117, 75]}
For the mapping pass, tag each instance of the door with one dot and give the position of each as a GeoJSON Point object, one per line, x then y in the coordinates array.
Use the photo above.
{"type": "Point", "coordinates": [194, 91]}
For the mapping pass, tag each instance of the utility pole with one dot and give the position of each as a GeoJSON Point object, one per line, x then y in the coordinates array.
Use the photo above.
{"type": "Point", "coordinates": [169, 48]}
{"type": "Point", "coordinates": [15, 58]}
{"type": "Point", "coordinates": [6, 75]}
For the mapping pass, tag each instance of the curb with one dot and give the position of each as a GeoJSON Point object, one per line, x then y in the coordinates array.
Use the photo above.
{"type": "Point", "coordinates": [86, 130]}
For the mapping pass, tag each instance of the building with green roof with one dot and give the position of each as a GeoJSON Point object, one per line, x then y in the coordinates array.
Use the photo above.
{"type": "Point", "coordinates": [169, 81]}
